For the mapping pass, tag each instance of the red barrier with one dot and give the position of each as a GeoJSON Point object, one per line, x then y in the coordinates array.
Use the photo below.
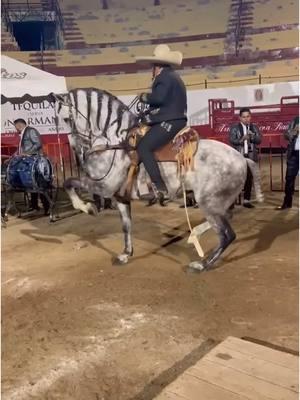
{"type": "Point", "coordinates": [66, 166]}
{"type": "Point", "coordinates": [8, 150]}
{"type": "Point", "coordinates": [273, 120]}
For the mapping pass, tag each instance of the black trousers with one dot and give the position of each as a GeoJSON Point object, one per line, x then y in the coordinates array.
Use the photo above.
{"type": "Point", "coordinates": [292, 169]}
{"type": "Point", "coordinates": [158, 136]}
{"type": "Point", "coordinates": [248, 185]}
{"type": "Point", "coordinates": [34, 202]}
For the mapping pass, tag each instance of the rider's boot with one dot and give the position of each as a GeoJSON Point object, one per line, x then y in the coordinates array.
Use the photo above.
{"type": "Point", "coordinates": [163, 197]}
{"type": "Point", "coordinates": [156, 196]}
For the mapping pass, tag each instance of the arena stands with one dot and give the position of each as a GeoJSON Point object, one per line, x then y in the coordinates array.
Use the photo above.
{"type": "Point", "coordinates": [236, 75]}
{"type": "Point", "coordinates": [98, 27]}
{"type": "Point", "coordinates": [275, 13]}
{"type": "Point", "coordinates": [275, 40]}
{"type": "Point", "coordinates": [77, 5]}
{"type": "Point", "coordinates": [8, 42]}
{"type": "Point", "coordinates": [121, 55]}
{"type": "Point", "coordinates": [224, 42]}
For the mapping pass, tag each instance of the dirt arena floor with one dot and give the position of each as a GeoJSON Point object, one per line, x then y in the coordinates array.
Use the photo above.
{"type": "Point", "coordinates": [77, 328]}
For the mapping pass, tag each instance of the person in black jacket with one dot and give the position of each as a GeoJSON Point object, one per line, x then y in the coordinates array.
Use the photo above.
{"type": "Point", "coordinates": [166, 116]}
{"type": "Point", "coordinates": [292, 165]}
{"type": "Point", "coordinates": [245, 137]}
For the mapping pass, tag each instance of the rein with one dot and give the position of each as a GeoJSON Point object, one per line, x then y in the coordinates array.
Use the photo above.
{"type": "Point", "coordinates": [108, 171]}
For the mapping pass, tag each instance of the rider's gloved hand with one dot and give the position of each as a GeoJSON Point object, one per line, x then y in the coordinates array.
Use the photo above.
{"type": "Point", "coordinates": [143, 97]}
{"type": "Point", "coordinates": [145, 118]}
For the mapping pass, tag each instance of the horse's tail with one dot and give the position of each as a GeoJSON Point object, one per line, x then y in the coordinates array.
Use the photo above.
{"type": "Point", "coordinates": [256, 179]}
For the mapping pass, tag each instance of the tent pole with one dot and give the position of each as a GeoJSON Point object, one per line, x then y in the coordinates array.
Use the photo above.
{"type": "Point", "coordinates": [59, 142]}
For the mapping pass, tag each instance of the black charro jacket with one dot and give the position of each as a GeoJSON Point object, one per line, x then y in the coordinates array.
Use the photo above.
{"type": "Point", "coordinates": [167, 100]}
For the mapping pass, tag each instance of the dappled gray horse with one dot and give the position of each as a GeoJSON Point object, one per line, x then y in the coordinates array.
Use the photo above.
{"type": "Point", "coordinates": [97, 118]}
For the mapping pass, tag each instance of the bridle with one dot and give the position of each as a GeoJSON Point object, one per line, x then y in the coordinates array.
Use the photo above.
{"type": "Point", "coordinates": [90, 139]}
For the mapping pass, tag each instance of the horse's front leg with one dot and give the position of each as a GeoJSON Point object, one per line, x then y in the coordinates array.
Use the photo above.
{"type": "Point", "coordinates": [70, 185]}
{"type": "Point", "coordinates": [125, 213]}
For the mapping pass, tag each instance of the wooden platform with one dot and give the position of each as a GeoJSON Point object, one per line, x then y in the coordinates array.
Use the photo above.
{"type": "Point", "coordinates": [238, 370]}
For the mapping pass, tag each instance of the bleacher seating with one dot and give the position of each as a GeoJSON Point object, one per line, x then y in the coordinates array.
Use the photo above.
{"type": "Point", "coordinates": [8, 42]}
{"type": "Point", "coordinates": [156, 22]}
{"type": "Point", "coordinates": [272, 13]}
{"type": "Point", "coordinates": [236, 75]}
{"type": "Point", "coordinates": [126, 54]}
{"type": "Point", "coordinates": [204, 30]}
{"type": "Point", "coordinates": [78, 5]}
{"type": "Point", "coordinates": [123, 5]}
{"type": "Point", "coordinates": [275, 40]}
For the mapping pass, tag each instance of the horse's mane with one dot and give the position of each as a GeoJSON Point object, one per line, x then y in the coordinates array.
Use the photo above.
{"type": "Point", "coordinates": [122, 107]}
{"type": "Point", "coordinates": [101, 93]}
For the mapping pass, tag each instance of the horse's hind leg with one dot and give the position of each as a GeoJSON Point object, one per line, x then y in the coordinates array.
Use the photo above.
{"type": "Point", "coordinates": [48, 203]}
{"type": "Point", "coordinates": [70, 185]}
{"type": "Point", "coordinates": [125, 214]}
{"type": "Point", "coordinates": [10, 204]}
{"type": "Point", "coordinates": [226, 235]}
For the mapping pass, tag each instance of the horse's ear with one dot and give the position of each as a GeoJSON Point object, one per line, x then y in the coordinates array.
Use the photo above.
{"type": "Point", "coordinates": [57, 97]}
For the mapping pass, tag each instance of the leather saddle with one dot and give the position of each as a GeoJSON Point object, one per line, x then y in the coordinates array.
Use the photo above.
{"type": "Point", "coordinates": [180, 150]}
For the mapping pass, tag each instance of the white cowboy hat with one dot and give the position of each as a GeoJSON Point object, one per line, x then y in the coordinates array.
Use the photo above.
{"type": "Point", "coordinates": [162, 55]}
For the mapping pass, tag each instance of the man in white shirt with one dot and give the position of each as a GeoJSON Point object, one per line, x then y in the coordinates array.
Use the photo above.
{"type": "Point", "coordinates": [292, 165]}
{"type": "Point", "coordinates": [245, 137]}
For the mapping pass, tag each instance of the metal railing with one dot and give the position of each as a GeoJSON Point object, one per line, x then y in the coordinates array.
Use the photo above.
{"type": "Point", "coordinates": [29, 5]}
{"type": "Point", "coordinates": [207, 84]}
{"type": "Point", "coordinates": [9, 7]}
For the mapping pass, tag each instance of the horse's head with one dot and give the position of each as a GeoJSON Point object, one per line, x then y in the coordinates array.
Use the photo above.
{"type": "Point", "coordinates": [68, 111]}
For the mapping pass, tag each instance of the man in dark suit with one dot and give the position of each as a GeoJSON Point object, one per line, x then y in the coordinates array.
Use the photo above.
{"type": "Point", "coordinates": [292, 165]}
{"type": "Point", "coordinates": [245, 137]}
{"type": "Point", "coordinates": [31, 144]}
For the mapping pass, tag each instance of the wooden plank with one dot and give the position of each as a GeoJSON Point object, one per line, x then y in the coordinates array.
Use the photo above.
{"type": "Point", "coordinates": [238, 370]}
{"type": "Point", "coordinates": [264, 353]}
{"type": "Point", "coordinates": [251, 365]}
{"type": "Point", "coordinates": [189, 387]}
{"type": "Point", "coordinates": [240, 383]}
{"type": "Point", "coordinates": [170, 396]}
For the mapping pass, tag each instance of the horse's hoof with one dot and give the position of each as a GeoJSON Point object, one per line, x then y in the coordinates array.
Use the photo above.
{"type": "Point", "coordinates": [92, 209]}
{"type": "Point", "coordinates": [151, 202]}
{"type": "Point", "coordinates": [121, 259]}
{"type": "Point", "coordinates": [195, 267]}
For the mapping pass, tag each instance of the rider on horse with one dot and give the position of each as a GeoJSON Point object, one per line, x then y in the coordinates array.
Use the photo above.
{"type": "Point", "coordinates": [166, 115]}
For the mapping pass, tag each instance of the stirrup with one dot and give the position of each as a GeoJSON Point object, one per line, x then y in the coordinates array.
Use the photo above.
{"type": "Point", "coordinates": [157, 196]}
{"type": "Point", "coordinates": [147, 196]}
{"type": "Point", "coordinates": [163, 198]}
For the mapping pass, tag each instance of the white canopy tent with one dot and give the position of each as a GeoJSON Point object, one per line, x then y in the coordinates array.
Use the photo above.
{"type": "Point", "coordinates": [18, 79]}
{"type": "Point", "coordinates": [25, 93]}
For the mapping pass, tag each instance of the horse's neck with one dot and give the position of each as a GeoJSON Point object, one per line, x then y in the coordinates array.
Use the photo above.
{"type": "Point", "coordinates": [108, 122]}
